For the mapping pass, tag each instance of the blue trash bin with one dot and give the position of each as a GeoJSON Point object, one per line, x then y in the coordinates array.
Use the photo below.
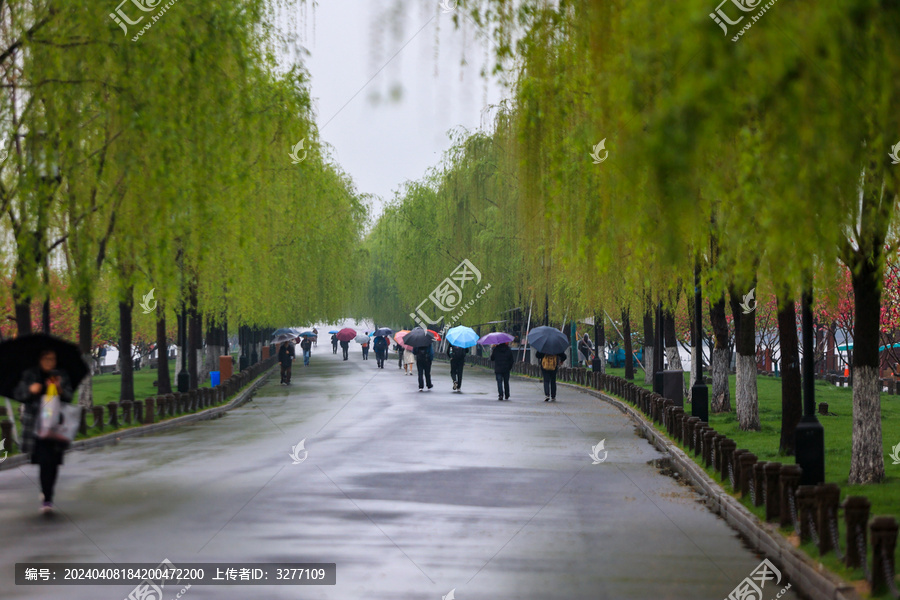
{"type": "Point", "coordinates": [214, 377]}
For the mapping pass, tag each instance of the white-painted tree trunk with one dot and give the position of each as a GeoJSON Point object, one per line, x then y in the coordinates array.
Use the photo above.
{"type": "Point", "coordinates": [745, 393]}
{"type": "Point", "coordinates": [721, 395]}
{"type": "Point", "coordinates": [648, 365]}
{"type": "Point", "coordinates": [867, 458]}
{"type": "Point", "coordinates": [86, 387]}
{"type": "Point", "coordinates": [202, 366]}
{"type": "Point", "coordinates": [674, 358]}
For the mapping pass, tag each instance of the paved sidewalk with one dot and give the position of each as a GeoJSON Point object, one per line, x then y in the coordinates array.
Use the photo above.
{"type": "Point", "coordinates": [411, 494]}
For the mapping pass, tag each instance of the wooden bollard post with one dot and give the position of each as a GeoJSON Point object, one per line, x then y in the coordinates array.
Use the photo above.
{"type": "Point", "coordinates": [726, 448]}
{"type": "Point", "coordinates": [884, 540]}
{"type": "Point", "coordinates": [708, 436]}
{"type": "Point", "coordinates": [149, 411]}
{"type": "Point", "coordinates": [113, 414]}
{"type": "Point", "coordinates": [806, 508]}
{"type": "Point", "coordinates": [772, 478]}
{"type": "Point", "coordinates": [138, 411]}
{"type": "Point", "coordinates": [127, 406]}
{"type": "Point", "coordinates": [748, 461]}
{"type": "Point", "coordinates": [856, 515]}
{"type": "Point", "coordinates": [790, 479]}
{"type": "Point", "coordinates": [82, 425]}
{"type": "Point", "coordinates": [98, 416]}
{"type": "Point", "coordinates": [6, 434]}
{"type": "Point", "coordinates": [759, 483]}
{"type": "Point", "coordinates": [829, 497]}
{"type": "Point", "coordinates": [687, 435]}
{"type": "Point", "coordinates": [736, 467]}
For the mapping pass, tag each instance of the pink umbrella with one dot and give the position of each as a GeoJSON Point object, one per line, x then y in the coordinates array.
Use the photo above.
{"type": "Point", "coordinates": [398, 337]}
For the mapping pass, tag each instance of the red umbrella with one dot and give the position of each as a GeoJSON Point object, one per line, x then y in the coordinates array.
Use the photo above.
{"type": "Point", "coordinates": [437, 336]}
{"type": "Point", "coordinates": [346, 334]}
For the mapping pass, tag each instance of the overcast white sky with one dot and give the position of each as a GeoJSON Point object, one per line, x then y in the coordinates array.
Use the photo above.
{"type": "Point", "coordinates": [394, 127]}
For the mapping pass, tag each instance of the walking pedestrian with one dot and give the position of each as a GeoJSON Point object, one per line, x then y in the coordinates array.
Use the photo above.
{"type": "Point", "coordinates": [286, 358]}
{"type": "Point", "coordinates": [585, 347]}
{"type": "Point", "coordinates": [315, 339]}
{"type": "Point", "coordinates": [306, 346]}
{"type": "Point", "coordinates": [334, 343]}
{"type": "Point", "coordinates": [424, 357]}
{"type": "Point", "coordinates": [345, 346]}
{"type": "Point", "coordinates": [39, 382]}
{"type": "Point", "coordinates": [380, 346]}
{"type": "Point", "coordinates": [365, 348]}
{"type": "Point", "coordinates": [503, 359]}
{"type": "Point", "coordinates": [400, 351]}
{"type": "Point", "coordinates": [457, 362]}
{"type": "Point", "coordinates": [549, 364]}
{"type": "Point", "coordinates": [409, 359]}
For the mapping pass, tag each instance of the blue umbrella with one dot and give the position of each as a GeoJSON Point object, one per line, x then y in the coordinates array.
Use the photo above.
{"type": "Point", "coordinates": [383, 331]}
{"type": "Point", "coordinates": [307, 334]}
{"type": "Point", "coordinates": [333, 331]}
{"type": "Point", "coordinates": [462, 337]}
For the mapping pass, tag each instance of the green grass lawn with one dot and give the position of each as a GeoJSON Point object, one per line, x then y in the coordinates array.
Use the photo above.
{"type": "Point", "coordinates": [885, 497]}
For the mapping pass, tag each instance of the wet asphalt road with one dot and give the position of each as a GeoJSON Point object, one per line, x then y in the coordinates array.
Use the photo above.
{"type": "Point", "coordinates": [411, 494]}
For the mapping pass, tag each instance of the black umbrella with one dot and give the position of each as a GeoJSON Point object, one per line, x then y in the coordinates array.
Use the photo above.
{"type": "Point", "coordinates": [418, 337]}
{"type": "Point", "coordinates": [548, 340]}
{"type": "Point", "coordinates": [22, 353]}
{"type": "Point", "coordinates": [384, 331]}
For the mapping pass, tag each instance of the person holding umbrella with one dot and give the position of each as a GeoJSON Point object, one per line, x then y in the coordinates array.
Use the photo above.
{"type": "Point", "coordinates": [36, 384]}
{"type": "Point", "coordinates": [503, 358]}
{"type": "Point", "coordinates": [365, 345]}
{"type": "Point", "coordinates": [306, 345]}
{"type": "Point", "coordinates": [551, 345]}
{"type": "Point", "coordinates": [457, 362]}
{"type": "Point", "coordinates": [334, 343]}
{"type": "Point", "coordinates": [345, 348]}
{"type": "Point", "coordinates": [421, 341]}
{"type": "Point", "coordinates": [585, 347]}
{"type": "Point", "coordinates": [380, 346]}
{"type": "Point", "coordinates": [285, 358]}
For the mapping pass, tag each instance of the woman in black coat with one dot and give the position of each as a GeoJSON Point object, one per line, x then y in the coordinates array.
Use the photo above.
{"type": "Point", "coordinates": [47, 453]}
{"type": "Point", "coordinates": [503, 359]}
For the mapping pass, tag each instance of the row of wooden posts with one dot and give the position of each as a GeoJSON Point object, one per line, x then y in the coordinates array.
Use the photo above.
{"type": "Point", "coordinates": [157, 408]}
{"type": "Point", "coordinates": [812, 510]}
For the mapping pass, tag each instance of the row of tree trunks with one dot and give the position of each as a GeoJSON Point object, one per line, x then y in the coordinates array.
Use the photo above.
{"type": "Point", "coordinates": [648, 347]}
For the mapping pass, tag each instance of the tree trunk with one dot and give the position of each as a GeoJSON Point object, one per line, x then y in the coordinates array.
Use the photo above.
{"type": "Point", "coordinates": [745, 382]}
{"type": "Point", "coordinates": [791, 385]}
{"type": "Point", "coordinates": [194, 339]}
{"type": "Point", "coordinates": [85, 345]}
{"type": "Point", "coordinates": [600, 339]}
{"type": "Point", "coordinates": [648, 347]}
{"type": "Point", "coordinates": [672, 353]}
{"type": "Point", "coordinates": [721, 395]}
{"type": "Point", "coordinates": [23, 316]}
{"type": "Point", "coordinates": [125, 340]}
{"type": "Point", "coordinates": [163, 381]}
{"type": "Point", "coordinates": [629, 359]}
{"type": "Point", "coordinates": [867, 457]}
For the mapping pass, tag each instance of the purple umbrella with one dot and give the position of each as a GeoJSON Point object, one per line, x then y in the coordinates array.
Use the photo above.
{"type": "Point", "coordinates": [497, 337]}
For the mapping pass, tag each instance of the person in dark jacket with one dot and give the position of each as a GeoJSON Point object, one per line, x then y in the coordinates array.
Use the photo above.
{"type": "Point", "coordinates": [47, 453]}
{"type": "Point", "coordinates": [306, 346]}
{"type": "Point", "coordinates": [503, 359]}
{"type": "Point", "coordinates": [400, 351]}
{"type": "Point", "coordinates": [424, 357]}
{"type": "Point", "coordinates": [365, 349]}
{"type": "Point", "coordinates": [457, 362]}
{"type": "Point", "coordinates": [549, 364]}
{"type": "Point", "coordinates": [380, 346]}
{"type": "Point", "coordinates": [585, 347]}
{"type": "Point", "coordinates": [334, 343]}
{"type": "Point", "coordinates": [345, 346]}
{"type": "Point", "coordinates": [286, 357]}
